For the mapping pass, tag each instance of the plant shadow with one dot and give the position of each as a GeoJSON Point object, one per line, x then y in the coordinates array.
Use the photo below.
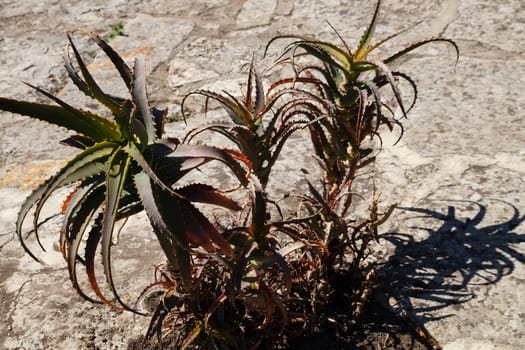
{"type": "Point", "coordinates": [460, 248]}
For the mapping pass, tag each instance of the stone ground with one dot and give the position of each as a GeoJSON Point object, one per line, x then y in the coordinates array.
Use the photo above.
{"type": "Point", "coordinates": [453, 252]}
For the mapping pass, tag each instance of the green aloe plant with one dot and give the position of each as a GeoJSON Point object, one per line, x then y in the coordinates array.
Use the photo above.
{"type": "Point", "coordinates": [347, 86]}
{"type": "Point", "coordinates": [342, 93]}
{"type": "Point", "coordinates": [125, 166]}
{"type": "Point", "coordinates": [260, 124]}
{"type": "Point", "coordinates": [347, 107]}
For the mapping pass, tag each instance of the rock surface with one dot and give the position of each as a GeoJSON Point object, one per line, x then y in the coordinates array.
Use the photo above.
{"type": "Point", "coordinates": [457, 175]}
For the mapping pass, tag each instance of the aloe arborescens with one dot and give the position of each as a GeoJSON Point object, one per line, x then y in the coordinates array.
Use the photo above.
{"type": "Point", "coordinates": [125, 166]}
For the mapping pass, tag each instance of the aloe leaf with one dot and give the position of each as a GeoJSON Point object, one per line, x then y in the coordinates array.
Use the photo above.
{"type": "Point", "coordinates": [340, 38]}
{"type": "Point", "coordinates": [343, 58]}
{"type": "Point", "coordinates": [242, 263]}
{"type": "Point", "coordinates": [207, 194]}
{"type": "Point", "coordinates": [221, 128]}
{"type": "Point", "coordinates": [204, 151]}
{"type": "Point", "coordinates": [327, 53]}
{"type": "Point", "coordinates": [317, 196]}
{"type": "Point", "coordinates": [419, 44]}
{"type": "Point", "coordinates": [140, 98]}
{"type": "Point", "coordinates": [412, 84]}
{"type": "Point", "coordinates": [159, 116]}
{"type": "Point", "coordinates": [279, 37]}
{"type": "Point", "coordinates": [373, 90]}
{"type": "Point", "coordinates": [390, 37]}
{"type": "Point", "coordinates": [91, 248]}
{"type": "Point", "coordinates": [270, 304]}
{"type": "Point", "coordinates": [125, 72]}
{"type": "Point", "coordinates": [94, 89]}
{"type": "Point", "coordinates": [238, 111]}
{"type": "Point", "coordinates": [169, 233]}
{"type": "Point", "coordinates": [283, 136]}
{"type": "Point", "coordinates": [235, 110]}
{"type": "Point", "coordinates": [258, 228]}
{"type": "Point", "coordinates": [131, 127]}
{"type": "Point", "coordinates": [366, 39]}
{"type": "Point", "coordinates": [383, 68]}
{"type": "Point", "coordinates": [73, 75]}
{"type": "Point", "coordinates": [81, 209]}
{"type": "Point", "coordinates": [90, 162]}
{"type": "Point", "coordinates": [116, 175]}
{"type": "Point", "coordinates": [168, 170]}
{"type": "Point", "coordinates": [249, 86]}
{"type": "Point", "coordinates": [78, 141]}
{"type": "Point", "coordinates": [258, 104]}
{"type": "Point", "coordinates": [249, 145]}
{"type": "Point", "coordinates": [259, 94]}
{"type": "Point", "coordinates": [201, 232]}
{"type": "Point", "coordinates": [79, 82]}
{"type": "Point", "coordinates": [138, 157]}
{"type": "Point", "coordinates": [82, 122]}
{"type": "Point", "coordinates": [86, 164]}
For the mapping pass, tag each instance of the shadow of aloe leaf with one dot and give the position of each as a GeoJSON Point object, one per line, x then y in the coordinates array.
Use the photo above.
{"type": "Point", "coordinates": [455, 254]}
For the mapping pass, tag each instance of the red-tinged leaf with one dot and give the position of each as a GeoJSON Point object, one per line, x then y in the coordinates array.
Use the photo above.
{"type": "Point", "coordinates": [201, 232]}
{"type": "Point", "coordinates": [249, 87]}
{"type": "Point", "coordinates": [383, 68]}
{"type": "Point", "coordinates": [84, 204]}
{"type": "Point", "coordinates": [254, 106]}
{"type": "Point", "coordinates": [73, 75]}
{"type": "Point", "coordinates": [236, 110]}
{"type": "Point", "coordinates": [216, 303]}
{"type": "Point", "coordinates": [91, 248]}
{"type": "Point", "coordinates": [203, 151]}
{"type": "Point", "coordinates": [66, 201]}
{"type": "Point", "coordinates": [338, 57]}
{"type": "Point", "coordinates": [207, 194]}
{"type": "Point", "coordinates": [270, 304]}
{"type": "Point", "coordinates": [238, 134]}
{"type": "Point", "coordinates": [85, 164]}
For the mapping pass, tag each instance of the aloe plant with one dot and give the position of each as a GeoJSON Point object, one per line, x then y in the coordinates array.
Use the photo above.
{"type": "Point", "coordinates": [347, 85]}
{"type": "Point", "coordinates": [341, 92]}
{"type": "Point", "coordinates": [259, 124]}
{"type": "Point", "coordinates": [347, 107]}
{"type": "Point", "coordinates": [125, 166]}
{"type": "Point", "coordinates": [258, 281]}
{"type": "Point", "coordinates": [241, 298]}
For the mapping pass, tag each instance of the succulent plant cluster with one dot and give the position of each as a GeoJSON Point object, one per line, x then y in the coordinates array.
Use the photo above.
{"type": "Point", "coordinates": [262, 280]}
